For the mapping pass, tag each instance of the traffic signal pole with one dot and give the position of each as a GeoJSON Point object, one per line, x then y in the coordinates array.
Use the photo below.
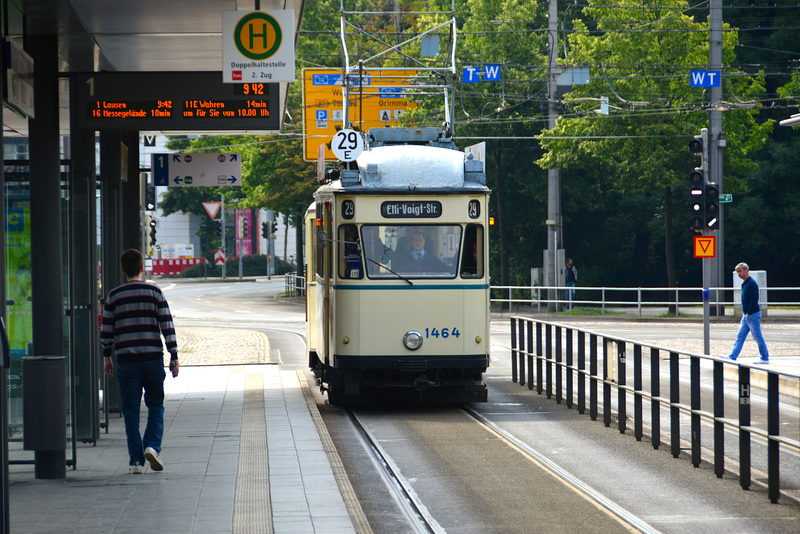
{"type": "Point", "coordinates": [704, 218]}
{"type": "Point", "coordinates": [222, 231]}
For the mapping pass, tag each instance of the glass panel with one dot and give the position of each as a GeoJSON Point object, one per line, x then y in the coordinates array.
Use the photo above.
{"type": "Point", "coordinates": [320, 256]}
{"type": "Point", "coordinates": [67, 303]}
{"type": "Point", "coordinates": [19, 295]}
{"type": "Point", "coordinates": [18, 292]}
{"type": "Point", "coordinates": [472, 257]}
{"type": "Point", "coordinates": [411, 251]}
{"type": "Point", "coordinates": [349, 253]}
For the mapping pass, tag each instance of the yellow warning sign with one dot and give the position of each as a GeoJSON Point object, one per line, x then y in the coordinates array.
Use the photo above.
{"type": "Point", "coordinates": [377, 102]}
{"type": "Point", "coordinates": [705, 246]}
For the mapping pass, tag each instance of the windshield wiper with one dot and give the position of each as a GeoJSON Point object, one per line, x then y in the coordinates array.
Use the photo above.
{"type": "Point", "coordinates": [398, 275]}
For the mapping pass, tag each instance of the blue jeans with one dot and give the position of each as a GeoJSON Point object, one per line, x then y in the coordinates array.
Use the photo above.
{"type": "Point", "coordinates": [569, 295]}
{"type": "Point", "coordinates": [752, 324]}
{"type": "Point", "coordinates": [133, 378]}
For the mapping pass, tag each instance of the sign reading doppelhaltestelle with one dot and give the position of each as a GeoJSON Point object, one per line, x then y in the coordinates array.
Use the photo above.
{"type": "Point", "coordinates": [258, 46]}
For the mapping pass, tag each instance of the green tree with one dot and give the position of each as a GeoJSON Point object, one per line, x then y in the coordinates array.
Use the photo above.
{"type": "Point", "coordinates": [643, 55]}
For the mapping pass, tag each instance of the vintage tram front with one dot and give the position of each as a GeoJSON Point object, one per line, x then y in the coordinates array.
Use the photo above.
{"type": "Point", "coordinates": [398, 289]}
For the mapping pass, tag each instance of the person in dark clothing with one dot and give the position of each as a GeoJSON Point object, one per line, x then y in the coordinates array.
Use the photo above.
{"type": "Point", "coordinates": [417, 259]}
{"type": "Point", "coordinates": [572, 280]}
{"type": "Point", "coordinates": [751, 316]}
{"type": "Point", "coordinates": [135, 315]}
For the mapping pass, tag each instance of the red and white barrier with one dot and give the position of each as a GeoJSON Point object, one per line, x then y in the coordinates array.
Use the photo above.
{"type": "Point", "coordinates": [172, 267]}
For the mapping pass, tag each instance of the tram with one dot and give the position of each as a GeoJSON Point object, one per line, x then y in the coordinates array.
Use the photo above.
{"type": "Point", "coordinates": [397, 273]}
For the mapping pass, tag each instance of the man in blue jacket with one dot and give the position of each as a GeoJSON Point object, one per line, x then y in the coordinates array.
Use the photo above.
{"type": "Point", "coordinates": [751, 316]}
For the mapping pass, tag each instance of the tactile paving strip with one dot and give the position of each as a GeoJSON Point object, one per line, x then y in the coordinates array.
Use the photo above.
{"type": "Point", "coordinates": [252, 511]}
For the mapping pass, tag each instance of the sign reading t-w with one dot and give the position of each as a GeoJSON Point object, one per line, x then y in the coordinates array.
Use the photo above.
{"type": "Point", "coordinates": [705, 78]}
{"type": "Point", "coordinates": [490, 73]}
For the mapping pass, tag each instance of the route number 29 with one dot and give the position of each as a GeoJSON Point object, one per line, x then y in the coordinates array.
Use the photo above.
{"type": "Point", "coordinates": [347, 145]}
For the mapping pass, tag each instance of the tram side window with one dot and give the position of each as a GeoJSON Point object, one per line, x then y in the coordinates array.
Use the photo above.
{"type": "Point", "coordinates": [349, 252]}
{"type": "Point", "coordinates": [472, 254]}
{"type": "Point", "coordinates": [319, 241]}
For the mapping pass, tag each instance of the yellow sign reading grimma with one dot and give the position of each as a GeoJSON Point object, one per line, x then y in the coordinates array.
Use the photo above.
{"type": "Point", "coordinates": [379, 102]}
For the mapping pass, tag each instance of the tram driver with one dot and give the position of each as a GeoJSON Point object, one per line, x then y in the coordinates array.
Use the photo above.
{"type": "Point", "coordinates": [417, 259]}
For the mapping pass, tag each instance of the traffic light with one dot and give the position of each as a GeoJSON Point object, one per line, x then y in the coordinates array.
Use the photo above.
{"type": "Point", "coordinates": [711, 199]}
{"type": "Point", "coordinates": [265, 230]}
{"type": "Point", "coordinates": [244, 227]}
{"type": "Point", "coordinates": [696, 145]}
{"type": "Point", "coordinates": [150, 198]}
{"type": "Point", "coordinates": [697, 200]}
{"type": "Point", "coordinates": [274, 227]}
{"type": "Point", "coordinates": [153, 224]}
{"type": "Point", "coordinates": [219, 228]}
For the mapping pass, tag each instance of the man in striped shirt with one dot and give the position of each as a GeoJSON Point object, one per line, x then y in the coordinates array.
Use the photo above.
{"type": "Point", "coordinates": [135, 316]}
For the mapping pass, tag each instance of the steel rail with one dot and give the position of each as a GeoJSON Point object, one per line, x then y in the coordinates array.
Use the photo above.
{"type": "Point", "coordinates": [587, 491]}
{"type": "Point", "coordinates": [416, 512]}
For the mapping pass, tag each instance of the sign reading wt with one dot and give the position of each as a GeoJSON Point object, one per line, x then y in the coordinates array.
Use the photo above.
{"type": "Point", "coordinates": [258, 46]}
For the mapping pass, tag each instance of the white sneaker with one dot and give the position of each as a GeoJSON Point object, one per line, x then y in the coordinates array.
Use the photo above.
{"type": "Point", "coordinates": [151, 456]}
{"type": "Point", "coordinates": [761, 361]}
{"type": "Point", "coordinates": [135, 469]}
{"type": "Point", "coordinates": [728, 358]}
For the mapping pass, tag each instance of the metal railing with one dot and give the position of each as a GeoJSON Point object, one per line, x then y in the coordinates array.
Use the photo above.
{"type": "Point", "coordinates": [536, 297]}
{"type": "Point", "coordinates": [558, 360]}
{"type": "Point", "coordinates": [295, 285]}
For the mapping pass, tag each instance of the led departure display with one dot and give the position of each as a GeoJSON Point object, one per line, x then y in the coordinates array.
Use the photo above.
{"type": "Point", "coordinates": [177, 101]}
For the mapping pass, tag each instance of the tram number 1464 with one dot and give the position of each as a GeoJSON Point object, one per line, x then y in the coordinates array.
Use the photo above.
{"type": "Point", "coordinates": [444, 332]}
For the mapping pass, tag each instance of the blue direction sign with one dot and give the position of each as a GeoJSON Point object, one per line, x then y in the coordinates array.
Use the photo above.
{"type": "Point", "coordinates": [193, 170]}
{"type": "Point", "coordinates": [705, 78]}
{"type": "Point", "coordinates": [490, 72]}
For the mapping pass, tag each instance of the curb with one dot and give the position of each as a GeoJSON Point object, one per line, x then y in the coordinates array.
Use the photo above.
{"type": "Point", "coordinates": [787, 385]}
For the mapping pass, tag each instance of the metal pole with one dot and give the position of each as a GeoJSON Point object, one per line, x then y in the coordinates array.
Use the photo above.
{"type": "Point", "coordinates": [706, 310]}
{"type": "Point", "coordinates": [553, 175]}
{"type": "Point", "coordinates": [240, 238]}
{"type": "Point", "coordinates": [716, 143]}
{"type": "Point", "coordinates": [270, 243]}
{"type": "Point", "coordinates": [143, 214]}
{"type": "Point", "coordinates": [224, 252]}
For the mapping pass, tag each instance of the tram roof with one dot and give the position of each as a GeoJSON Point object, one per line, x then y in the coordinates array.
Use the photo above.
{"type": "Point", "coordinates": [414, 168]}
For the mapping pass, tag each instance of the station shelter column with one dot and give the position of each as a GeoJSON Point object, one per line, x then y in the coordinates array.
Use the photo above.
{"type": "Point", "coordinates": [84, 282]}
{"type": "Point", "coordinates": [47, 267]}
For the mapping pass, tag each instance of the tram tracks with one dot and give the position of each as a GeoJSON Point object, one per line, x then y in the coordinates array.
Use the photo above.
{"type": "Point", "coordinates": [624, 516]}
{"type": "Point", "coordinates": [417, 514]}
{"type": "Point", "coordinates": [422, 520]}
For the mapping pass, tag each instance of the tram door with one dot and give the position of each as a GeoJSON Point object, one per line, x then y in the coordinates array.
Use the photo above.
{"type": "Point", "coordinates": [311, 281]}
{"type": "Point", "coordinates": [324, 274]}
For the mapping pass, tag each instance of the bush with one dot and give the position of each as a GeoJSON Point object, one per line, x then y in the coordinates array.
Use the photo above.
{"type": "Point", "coordinates": [251, 266]}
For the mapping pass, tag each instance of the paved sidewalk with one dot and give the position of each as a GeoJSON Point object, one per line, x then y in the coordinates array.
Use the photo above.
{"type": "Point", "coordinates": [241, 452]}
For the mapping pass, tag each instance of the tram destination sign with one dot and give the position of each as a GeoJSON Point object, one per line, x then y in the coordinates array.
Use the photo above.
{"type": "Point", "coordinates": [174, 101]}
{"type": "Point", "coordinates": [412, 209]}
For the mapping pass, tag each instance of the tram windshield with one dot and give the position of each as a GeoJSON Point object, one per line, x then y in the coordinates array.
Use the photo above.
{"type": "Point", "coordinates": [413, 251]}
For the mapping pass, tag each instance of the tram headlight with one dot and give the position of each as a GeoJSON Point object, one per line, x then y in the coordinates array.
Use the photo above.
{"type": "Point", "coordinates": [412, 340]}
